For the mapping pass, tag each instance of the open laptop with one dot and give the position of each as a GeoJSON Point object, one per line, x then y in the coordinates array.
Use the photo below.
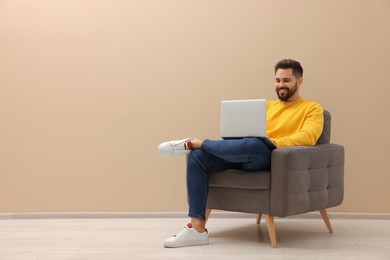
{"type": "Point", "coordinates": [245, 118]}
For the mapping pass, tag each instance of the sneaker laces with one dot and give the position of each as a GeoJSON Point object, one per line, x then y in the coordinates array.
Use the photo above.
{"type": "Point", "coordinates": [181, 146]}
{"type": "Point", "coordinates": [184, 230]}
{"type": "Point", "coordinates": [189, 226]}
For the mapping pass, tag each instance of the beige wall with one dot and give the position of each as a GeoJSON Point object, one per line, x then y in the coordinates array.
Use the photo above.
{"type": "Point", "coordinates": [88, 89]}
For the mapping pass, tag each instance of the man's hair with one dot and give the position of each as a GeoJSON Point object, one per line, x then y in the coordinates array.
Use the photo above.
{"type": "Point", "coordinates": [290, 64]}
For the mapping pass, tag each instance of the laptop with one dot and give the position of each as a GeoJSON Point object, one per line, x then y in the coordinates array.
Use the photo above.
{"type": "Point", "coordinates": [245, 118]}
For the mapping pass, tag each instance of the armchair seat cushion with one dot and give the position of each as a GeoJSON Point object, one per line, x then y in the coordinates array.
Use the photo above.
{"type": "Point", "coordinates": [236, 179]}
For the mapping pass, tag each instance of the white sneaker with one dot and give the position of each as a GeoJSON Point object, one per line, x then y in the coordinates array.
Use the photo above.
{"type": "Point", "coordinates": [187, 237]}
{"type": "Point", "coordinates": [174, 148]}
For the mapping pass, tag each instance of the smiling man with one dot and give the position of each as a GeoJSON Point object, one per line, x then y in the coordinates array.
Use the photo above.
{"type": "Point", "coordinates": [291, 120]}
{"type": "Point", "coordinates": [288, 75]}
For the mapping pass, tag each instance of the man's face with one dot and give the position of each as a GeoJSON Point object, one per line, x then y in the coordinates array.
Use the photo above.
{"type": "Point", "coordinates": [286, 85]}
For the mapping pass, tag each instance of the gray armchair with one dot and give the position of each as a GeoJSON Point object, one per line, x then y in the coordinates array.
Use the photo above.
{"type": "Point", "coordinates": [302, 179]}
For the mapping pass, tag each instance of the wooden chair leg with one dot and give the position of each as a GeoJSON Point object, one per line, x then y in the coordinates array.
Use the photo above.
{"type": "Point", "coordinates": [258, 218]}
{"type": "Point", "coordinates": [271, 229]}
{"type": "Point", "coordinates": [208, 212]}
{"type": "Point", "coordinates": [325, 217]}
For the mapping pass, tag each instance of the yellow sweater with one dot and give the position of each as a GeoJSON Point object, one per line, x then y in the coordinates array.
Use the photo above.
{"type": "Point", "coordinates": [294, 123]}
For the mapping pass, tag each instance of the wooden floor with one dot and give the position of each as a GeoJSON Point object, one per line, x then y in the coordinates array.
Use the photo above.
{"type": "Point", "coordinates": [230, 238]}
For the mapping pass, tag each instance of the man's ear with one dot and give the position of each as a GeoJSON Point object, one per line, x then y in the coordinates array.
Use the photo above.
{"type": "Point", "coordinates": [300, 80]}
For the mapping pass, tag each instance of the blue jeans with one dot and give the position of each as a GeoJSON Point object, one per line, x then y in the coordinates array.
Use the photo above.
{"type": "Point", "coordinates": [248, 154]}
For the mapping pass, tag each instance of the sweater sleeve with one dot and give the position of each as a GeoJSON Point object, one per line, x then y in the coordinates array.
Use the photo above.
{"type": "Point", "coordinates": [310, 131]}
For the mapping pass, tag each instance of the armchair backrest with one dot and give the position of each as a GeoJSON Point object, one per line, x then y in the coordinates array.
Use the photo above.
{"type": "Point", "coordinates": [325, 136]}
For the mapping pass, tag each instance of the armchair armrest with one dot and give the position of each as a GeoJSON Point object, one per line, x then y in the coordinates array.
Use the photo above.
{"type": "Point", "coordinates": [306, 178]}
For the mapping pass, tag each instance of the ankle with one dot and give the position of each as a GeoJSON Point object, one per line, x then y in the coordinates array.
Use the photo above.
{"type": "Point", "coordinates": [188, 144]}
{"type": "Point", "coordinates": [194, 143]}
{"type": "Point", "coordinates": [198, 224]}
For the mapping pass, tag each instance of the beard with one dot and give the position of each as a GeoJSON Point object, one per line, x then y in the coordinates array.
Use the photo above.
{"type": "Point", "coordinates": [287, 93]}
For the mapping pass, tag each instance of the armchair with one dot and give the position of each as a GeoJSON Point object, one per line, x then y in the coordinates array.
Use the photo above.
{"type": "Point", "coordinates": [302, 179]}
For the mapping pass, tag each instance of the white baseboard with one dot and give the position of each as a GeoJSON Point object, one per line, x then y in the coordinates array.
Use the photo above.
{"type": "Point", "coordinates": [214, 214]}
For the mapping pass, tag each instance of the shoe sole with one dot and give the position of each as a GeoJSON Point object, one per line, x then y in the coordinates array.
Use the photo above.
{"type": "Point", "coordinates": [189, 243]}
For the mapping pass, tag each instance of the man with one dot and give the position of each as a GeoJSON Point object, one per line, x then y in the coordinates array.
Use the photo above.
{"type": "Point", "coordinates": [291, 120]}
